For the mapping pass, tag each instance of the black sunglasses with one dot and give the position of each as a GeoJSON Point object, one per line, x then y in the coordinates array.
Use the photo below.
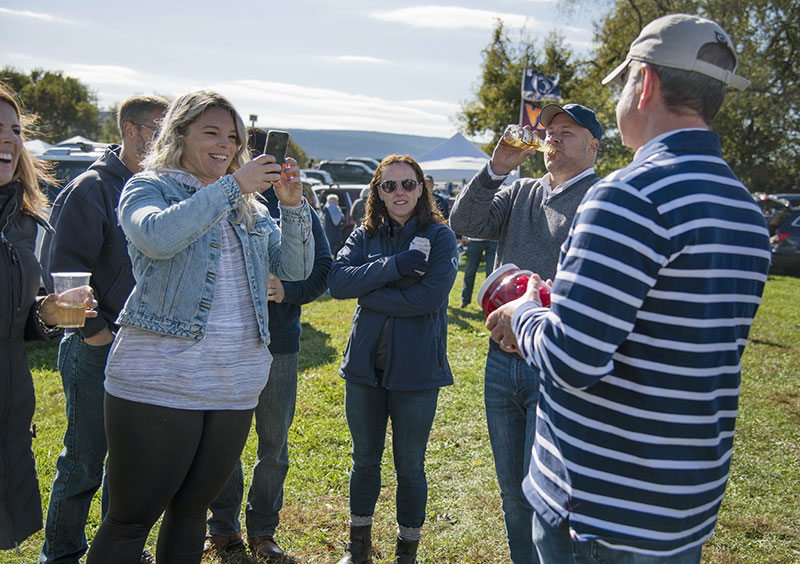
{"type": "Point", "coordinates": [389, 186]}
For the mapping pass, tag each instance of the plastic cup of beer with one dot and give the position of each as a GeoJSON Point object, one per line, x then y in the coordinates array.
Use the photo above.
{"type": "Point", "coordinates": [70, 309]}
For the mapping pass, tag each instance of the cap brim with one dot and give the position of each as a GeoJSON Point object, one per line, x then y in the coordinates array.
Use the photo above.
{"type": "Point", "coordinates": [548, 112]}
{"type": "Point", "coordinates": [615, 76]}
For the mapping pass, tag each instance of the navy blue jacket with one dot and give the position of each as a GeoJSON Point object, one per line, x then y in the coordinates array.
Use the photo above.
{"type": "Point", "coordinates": [284, 317]}
{"type": "Point", "coordinates": [88, 237]}
{"type": "Point", "coordinates": [415, 308]}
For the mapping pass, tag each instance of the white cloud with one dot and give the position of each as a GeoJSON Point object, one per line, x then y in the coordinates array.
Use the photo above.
{"type": "Point", "coordinates": [450, 17]}
{"type": "Point", "coordinates": [278, 104]}
{"type": "Point", "coordinates": [357, 59]}
{"type": "Point", "coordinates": [35, 15]}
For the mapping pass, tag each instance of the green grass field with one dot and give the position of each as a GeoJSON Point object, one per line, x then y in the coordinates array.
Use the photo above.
{"type": "Point", "coordinates": [760, 517]}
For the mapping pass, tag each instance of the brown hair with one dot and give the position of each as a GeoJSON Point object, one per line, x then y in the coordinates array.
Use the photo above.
{"type": "Point", "coordinates": [138, 107]}
{"type": "Point", "coordinates": [376, 213]}
{"type": "Point", "coordinates": [30, 171]}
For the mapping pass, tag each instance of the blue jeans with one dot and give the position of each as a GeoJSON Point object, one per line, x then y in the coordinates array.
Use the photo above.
{"type": "Point", "coordinates": [556, 546]}
{"type": "Point", "coordinates": [368, 409]}
{"type": "Point", "coordinates": [80, 465]}
{"type": "Point", "coordinates": [474, 251]}
{"type": "Point", "coordinates": [274, 415]}
{"type": "Point", "coordinates": [511, 391]}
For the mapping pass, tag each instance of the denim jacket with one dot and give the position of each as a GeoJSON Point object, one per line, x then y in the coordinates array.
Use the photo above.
{"type": "Point", "coordinates": [173, 231]}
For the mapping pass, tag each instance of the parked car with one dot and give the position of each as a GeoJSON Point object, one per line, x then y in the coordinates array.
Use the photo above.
{"type": "Point", "coordinates": [321, 175]}
{"type": "Point", "coordinates": [793, 198]}
{"type": "Point", "coordinates": [370, 162]}
{"type": "Point", "coordinates": [347, 172]}
{"type": "Point", "coordinates": [786, 243]}
{"type": "Point", "coordinates": [68, 162]}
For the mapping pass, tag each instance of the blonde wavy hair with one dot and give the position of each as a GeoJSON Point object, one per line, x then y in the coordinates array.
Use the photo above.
{"type": "Point", "coordinates": [30, 171]}
{"type": "Point", "coordinates": [168, 148]}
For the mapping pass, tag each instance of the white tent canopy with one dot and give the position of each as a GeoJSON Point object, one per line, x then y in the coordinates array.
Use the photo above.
{"type": "Point", "coordinates": [37, 146]}
{"type": "Point", "coordinates": [455, 160]}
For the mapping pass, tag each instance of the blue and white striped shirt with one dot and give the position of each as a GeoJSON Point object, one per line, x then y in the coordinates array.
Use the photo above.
{"type": "Point", "coordinates": [657, 286]}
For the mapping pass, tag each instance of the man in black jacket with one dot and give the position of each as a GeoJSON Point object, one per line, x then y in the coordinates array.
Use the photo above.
{"type": "Point", "coordinates": [88, 239]}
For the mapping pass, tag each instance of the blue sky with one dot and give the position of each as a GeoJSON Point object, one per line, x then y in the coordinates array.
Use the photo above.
{"type": "Point", "coordinates": [397, 67]}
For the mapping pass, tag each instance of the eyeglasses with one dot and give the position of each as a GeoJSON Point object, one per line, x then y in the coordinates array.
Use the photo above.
{"type": "Point", "coordinates": [389, 186]}
{"type": "Point", "coordinates": [150, 127]}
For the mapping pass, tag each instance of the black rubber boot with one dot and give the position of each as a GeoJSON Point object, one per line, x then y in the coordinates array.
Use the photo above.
{"type": "Point", "coordinates": [359, 549]}
{"type": "Point", "coordinates": [406, 552]}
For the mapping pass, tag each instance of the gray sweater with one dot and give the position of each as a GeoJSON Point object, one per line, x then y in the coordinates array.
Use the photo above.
{"type": "Point", "coordinates": [528, 225]}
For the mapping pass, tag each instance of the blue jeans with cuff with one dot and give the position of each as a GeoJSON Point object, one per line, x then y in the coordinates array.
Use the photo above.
{"type": "Point", "coordinates": [368, 410]}
{"type": "Point", "coordinates": [80, 466]}
{"type": "Point", "coordinates": [511, 392]}
{"type": "Point", "coordinates": [274, 414]}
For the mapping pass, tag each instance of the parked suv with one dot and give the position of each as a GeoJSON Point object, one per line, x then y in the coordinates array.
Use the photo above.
{"type": "Point", "coordinates": [347, 172]}
{"type": "Point", "coordinates": [68, 162]}
{"type": "Point", "coordinates": [370, 162]}
{"type": "Point", "coordinates": [320, 175]}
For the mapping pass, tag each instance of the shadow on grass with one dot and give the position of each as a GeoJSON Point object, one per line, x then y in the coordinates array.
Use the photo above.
{"type": "Point", "coordinates": [315, 347]}
{"type": "Point", "coordinates": [43, 355]}
{"type": "Point", "coordinates": [768, 343]}
{"type": "Point", "coordinates": [464, 318]}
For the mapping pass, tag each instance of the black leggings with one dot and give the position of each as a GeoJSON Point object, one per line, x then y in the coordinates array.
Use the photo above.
{"type": "Point", "coordinates": [164, 460]}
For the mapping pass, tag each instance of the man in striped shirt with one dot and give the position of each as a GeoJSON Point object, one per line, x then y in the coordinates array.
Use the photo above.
{"type": "Point", "coordinates": [657, 286]}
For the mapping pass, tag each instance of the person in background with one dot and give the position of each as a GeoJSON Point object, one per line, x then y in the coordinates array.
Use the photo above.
{"type": "Point", "coordinates": [88, 238]}
{"type": "Point", "coordinates": [656, 290]}
{"type": "Point", "coordinates": [530, 220]}
{"type": "Point", "coordinates": [441, 201]}
{"type": "Point", "coordinates": [359, 209]}
{"type": "Point", "coordinates": [400, 264]}
{"type": "Point", "coordinates": [333, 220]}
{"type": "Point", "coordinates": [476, 248]}
{"type": "Point", "coordinates": [23, 316]}
{"type": "Point", "coordinates": [275, 409]}
{"type": "Point", "coordinates": [191, 358]}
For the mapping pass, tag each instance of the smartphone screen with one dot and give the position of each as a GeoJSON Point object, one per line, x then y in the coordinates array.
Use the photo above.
{"type": "Point", "coordinates": [277, 141]}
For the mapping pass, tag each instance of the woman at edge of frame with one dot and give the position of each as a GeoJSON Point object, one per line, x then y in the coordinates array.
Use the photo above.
{"type": "Point", "coordinates": [23, 316]}
{"type": "Point", "coordinates": [400, 264]}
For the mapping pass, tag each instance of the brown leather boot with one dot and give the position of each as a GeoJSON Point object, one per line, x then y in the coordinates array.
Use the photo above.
{"type": "Point", "coordinates": [359, 549]}
{"type": "Point", "coordinates": [406, 552]}
{"type": "Point", "coordinates": [217, 544]}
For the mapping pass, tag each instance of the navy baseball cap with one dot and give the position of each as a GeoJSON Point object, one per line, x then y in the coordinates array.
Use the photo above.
{"type": "Point", "coordinates": [581, 115]}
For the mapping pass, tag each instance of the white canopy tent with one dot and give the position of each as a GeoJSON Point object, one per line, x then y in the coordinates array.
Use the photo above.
{"type": "Point", "coordinates": [455, 160]}
{"type": "Point", "coordinates": [37, 146]}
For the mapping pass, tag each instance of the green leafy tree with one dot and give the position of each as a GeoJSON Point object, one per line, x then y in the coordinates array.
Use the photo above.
{"type": "Point", "coordinates": [109, 130]}
{"type": "Point", "coordinates": [760, 126]}
{"type": "Point", "coordinates": [65, 106]}
{"type": "Point", "coordinates": [297, 153]}
{"type": "Point", "coordinates": [498, 95]}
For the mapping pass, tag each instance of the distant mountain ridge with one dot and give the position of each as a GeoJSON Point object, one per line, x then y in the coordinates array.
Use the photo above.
{"type": "Point", "coordinates": [326, 144]}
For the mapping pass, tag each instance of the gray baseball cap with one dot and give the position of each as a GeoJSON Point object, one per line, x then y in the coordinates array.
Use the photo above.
{"type": "Point", "coordinates": [674, 41]}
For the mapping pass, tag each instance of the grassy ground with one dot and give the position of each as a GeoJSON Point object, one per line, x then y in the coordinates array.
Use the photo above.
{"type": "Point", "coordinates": [760, 517]}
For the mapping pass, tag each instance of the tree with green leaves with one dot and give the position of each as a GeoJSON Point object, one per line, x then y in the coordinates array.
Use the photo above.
{"type": "Point", "coordinates": [498, 96]}
{"type": "Point", "coordinates": [64, 105]}
{"type": "Point", "coordinates": [759, 127]}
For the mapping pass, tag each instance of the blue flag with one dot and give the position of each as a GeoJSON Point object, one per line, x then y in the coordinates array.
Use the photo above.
{"type": "Point", "coordinates": [538, 88]}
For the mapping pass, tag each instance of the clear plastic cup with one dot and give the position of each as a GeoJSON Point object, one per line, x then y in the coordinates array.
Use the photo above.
{"type": "Point", "coordinates": [70, 309]}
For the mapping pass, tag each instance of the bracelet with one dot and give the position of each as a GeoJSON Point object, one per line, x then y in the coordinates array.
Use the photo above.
{"type": "Point", "coordinates": [48, 330]}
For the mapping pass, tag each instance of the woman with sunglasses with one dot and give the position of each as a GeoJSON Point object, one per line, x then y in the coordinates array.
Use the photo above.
{"type": "Point", "coordinates": [400, 264]}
